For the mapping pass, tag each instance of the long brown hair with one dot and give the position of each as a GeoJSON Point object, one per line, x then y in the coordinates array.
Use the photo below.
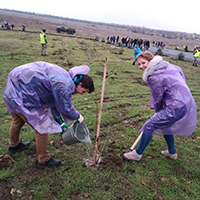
{"type": "Point", "coordinates": [146, 55]}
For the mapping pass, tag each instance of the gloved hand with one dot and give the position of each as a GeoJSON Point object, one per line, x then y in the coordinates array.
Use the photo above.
{"type": "Point", "coordinates": [64, 127]}
{"type": "Point", "coordinates": [80, 119]}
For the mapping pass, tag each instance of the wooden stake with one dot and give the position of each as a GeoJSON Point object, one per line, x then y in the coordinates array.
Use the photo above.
{"type": "Point", "coordinates": [96, 119]}
{"type": "Point", "coordinates": [100, 111]}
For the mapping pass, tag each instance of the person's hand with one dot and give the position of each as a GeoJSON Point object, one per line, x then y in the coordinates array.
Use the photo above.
{"type": "Point", "coordinates": [80, 119]}
{"type": "Point", "coordinates": [64, 127]}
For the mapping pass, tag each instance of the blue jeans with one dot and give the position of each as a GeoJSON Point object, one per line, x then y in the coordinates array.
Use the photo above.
{"type": "Point", "coordinates": [147, 138]}
{"type": "Point", "coordinates": [162, 120]}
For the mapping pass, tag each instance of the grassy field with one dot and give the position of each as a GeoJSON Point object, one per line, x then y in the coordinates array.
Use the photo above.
{"type": "Point", "coordinates": [125, 109]}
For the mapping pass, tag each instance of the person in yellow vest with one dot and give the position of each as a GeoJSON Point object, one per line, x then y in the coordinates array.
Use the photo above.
{"type": "Point", "coordinates": [43, 41]}
{"type": "Point", "coordinates": [196, 54]}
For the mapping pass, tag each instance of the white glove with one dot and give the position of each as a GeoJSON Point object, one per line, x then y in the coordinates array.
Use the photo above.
{"type": "Point", "coordinates": [80, 119]}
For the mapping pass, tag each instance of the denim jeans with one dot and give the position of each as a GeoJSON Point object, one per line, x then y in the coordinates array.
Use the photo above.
{"type": "Point", "coordinates": [162, 120]}
{"type": "Point", "coordinates": [147, 138]}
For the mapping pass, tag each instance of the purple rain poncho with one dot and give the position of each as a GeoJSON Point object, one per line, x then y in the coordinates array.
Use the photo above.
{"type": "Point", "coordinates": [176, 111]}
{"type": "Point", "coordinates": [34, 87]}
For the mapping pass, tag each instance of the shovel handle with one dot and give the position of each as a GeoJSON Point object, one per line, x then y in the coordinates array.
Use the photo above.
{"type": "Point", "coordinates": [136, 141]}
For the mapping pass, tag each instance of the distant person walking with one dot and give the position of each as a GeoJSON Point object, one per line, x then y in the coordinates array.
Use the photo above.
{"type": "Point", "coordinates": [196, 55]}
{"type": "Point", "coordinates": [136, 52]}
{"type": "Point", "coordinates": [117, 38]}
{"type": "Point", "coordinates": [43, 41]}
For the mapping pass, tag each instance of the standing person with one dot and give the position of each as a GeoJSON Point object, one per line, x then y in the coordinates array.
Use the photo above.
{"type": "Point", "coordinates": [196, 55]}
{"type": "Point", "coordinates": [176, 111]}
{"type": "Point", "coordinates": [23, 27]}
{"type": "Point", "coordinates": [123, 41]}
{"type": "Point", "coordinates": [136, 52]}
{"type": "Point", "coordinates": [127, 41]}
{"type": "Point", "coordinates": [163, 45]}
{"type": "Point", "coordinates": [147, 44]}
{"type": "Point", "coordinates": [43, 41]}
{"type": "Point", "coordinates": [114, 38]}
{"type": "Point", "coordinates": [107, 38]}
{"type": "Point", "coordinates": [31, 89]}
{"type": "Point", "coordinates": [117, 38]}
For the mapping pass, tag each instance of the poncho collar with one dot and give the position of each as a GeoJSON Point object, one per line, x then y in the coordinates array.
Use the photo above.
{"type": "Point", "coordinates": [154, 64]}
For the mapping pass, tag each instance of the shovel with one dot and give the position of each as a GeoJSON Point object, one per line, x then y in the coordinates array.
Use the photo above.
{"type": "Point", "coordinates": [132, 147]}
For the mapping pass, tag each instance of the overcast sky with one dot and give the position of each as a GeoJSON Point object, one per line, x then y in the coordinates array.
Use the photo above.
{"type": "Point", "coordinates": [174, 15]}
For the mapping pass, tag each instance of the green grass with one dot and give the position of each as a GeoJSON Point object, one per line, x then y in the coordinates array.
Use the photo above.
{"type": "Point", "coordinates": [125, 110]}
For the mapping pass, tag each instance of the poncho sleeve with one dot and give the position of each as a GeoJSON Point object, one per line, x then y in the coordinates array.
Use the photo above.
{"type": "Point", "coordinates": [63, 90]}
{"type": "Point", "coordinates": [157, 88]}
{"type": "Point", "coordinates": [55, 113]}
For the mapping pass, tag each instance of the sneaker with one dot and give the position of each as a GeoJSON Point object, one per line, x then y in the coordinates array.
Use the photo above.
{"type": "Point", "coordinates": [132, 155]}
{"type": "Point", "coordinates": [20, 146]}
{"type": "Point", "coordinates": [167, 154]}
{"type": "Point", "coordinates": [50, 163]}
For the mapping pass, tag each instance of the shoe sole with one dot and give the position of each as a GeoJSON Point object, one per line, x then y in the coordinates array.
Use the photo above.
{"type": "Point", "coordinates": [169, 156]}
{"type": "Point", "coordinates": [43, 166]}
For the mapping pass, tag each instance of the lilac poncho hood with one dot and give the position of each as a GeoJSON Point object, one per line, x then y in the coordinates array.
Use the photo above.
{"type": "Point", "coordinates": [169, 89]}
{"type": "Point", "coordinates": [34, 87]}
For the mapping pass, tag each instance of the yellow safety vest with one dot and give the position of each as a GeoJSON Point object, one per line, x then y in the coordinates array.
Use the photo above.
{"type": "Point", "coordinates": [42, 40]}
{"type": "Point", "coordinates": [197, 54]}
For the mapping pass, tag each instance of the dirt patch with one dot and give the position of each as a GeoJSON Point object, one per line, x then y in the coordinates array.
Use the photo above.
{"type": "Point", "coordinates": [138, 80]}
{"type": "Point", "coordinates": [111, 160]}
{"type": "Point", "coordinates": [58, 144]}
{"type": "Point", "coordinates": [138, 123]}
{"type": "Point", "coordinates": [108, 100]}
{"type": "Point", "coordinates": [124, 105]}
{"type": "Point", "coordinates": [179, 170]}
{"type": "Point", "coordinates": [115, 162]}
{"type": "Point", "coordinates": [126, 58]}
{"type": "Point", "coordinates": [147, 106]}
{"type": "Point", "coordinates": [101, 74]}
{"type": "Point", "coordinates": [118, 106]}
{"type": "Point", "coordinates": [5, 190]}
{"type": "Point", "coordinates": [126, 72]}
